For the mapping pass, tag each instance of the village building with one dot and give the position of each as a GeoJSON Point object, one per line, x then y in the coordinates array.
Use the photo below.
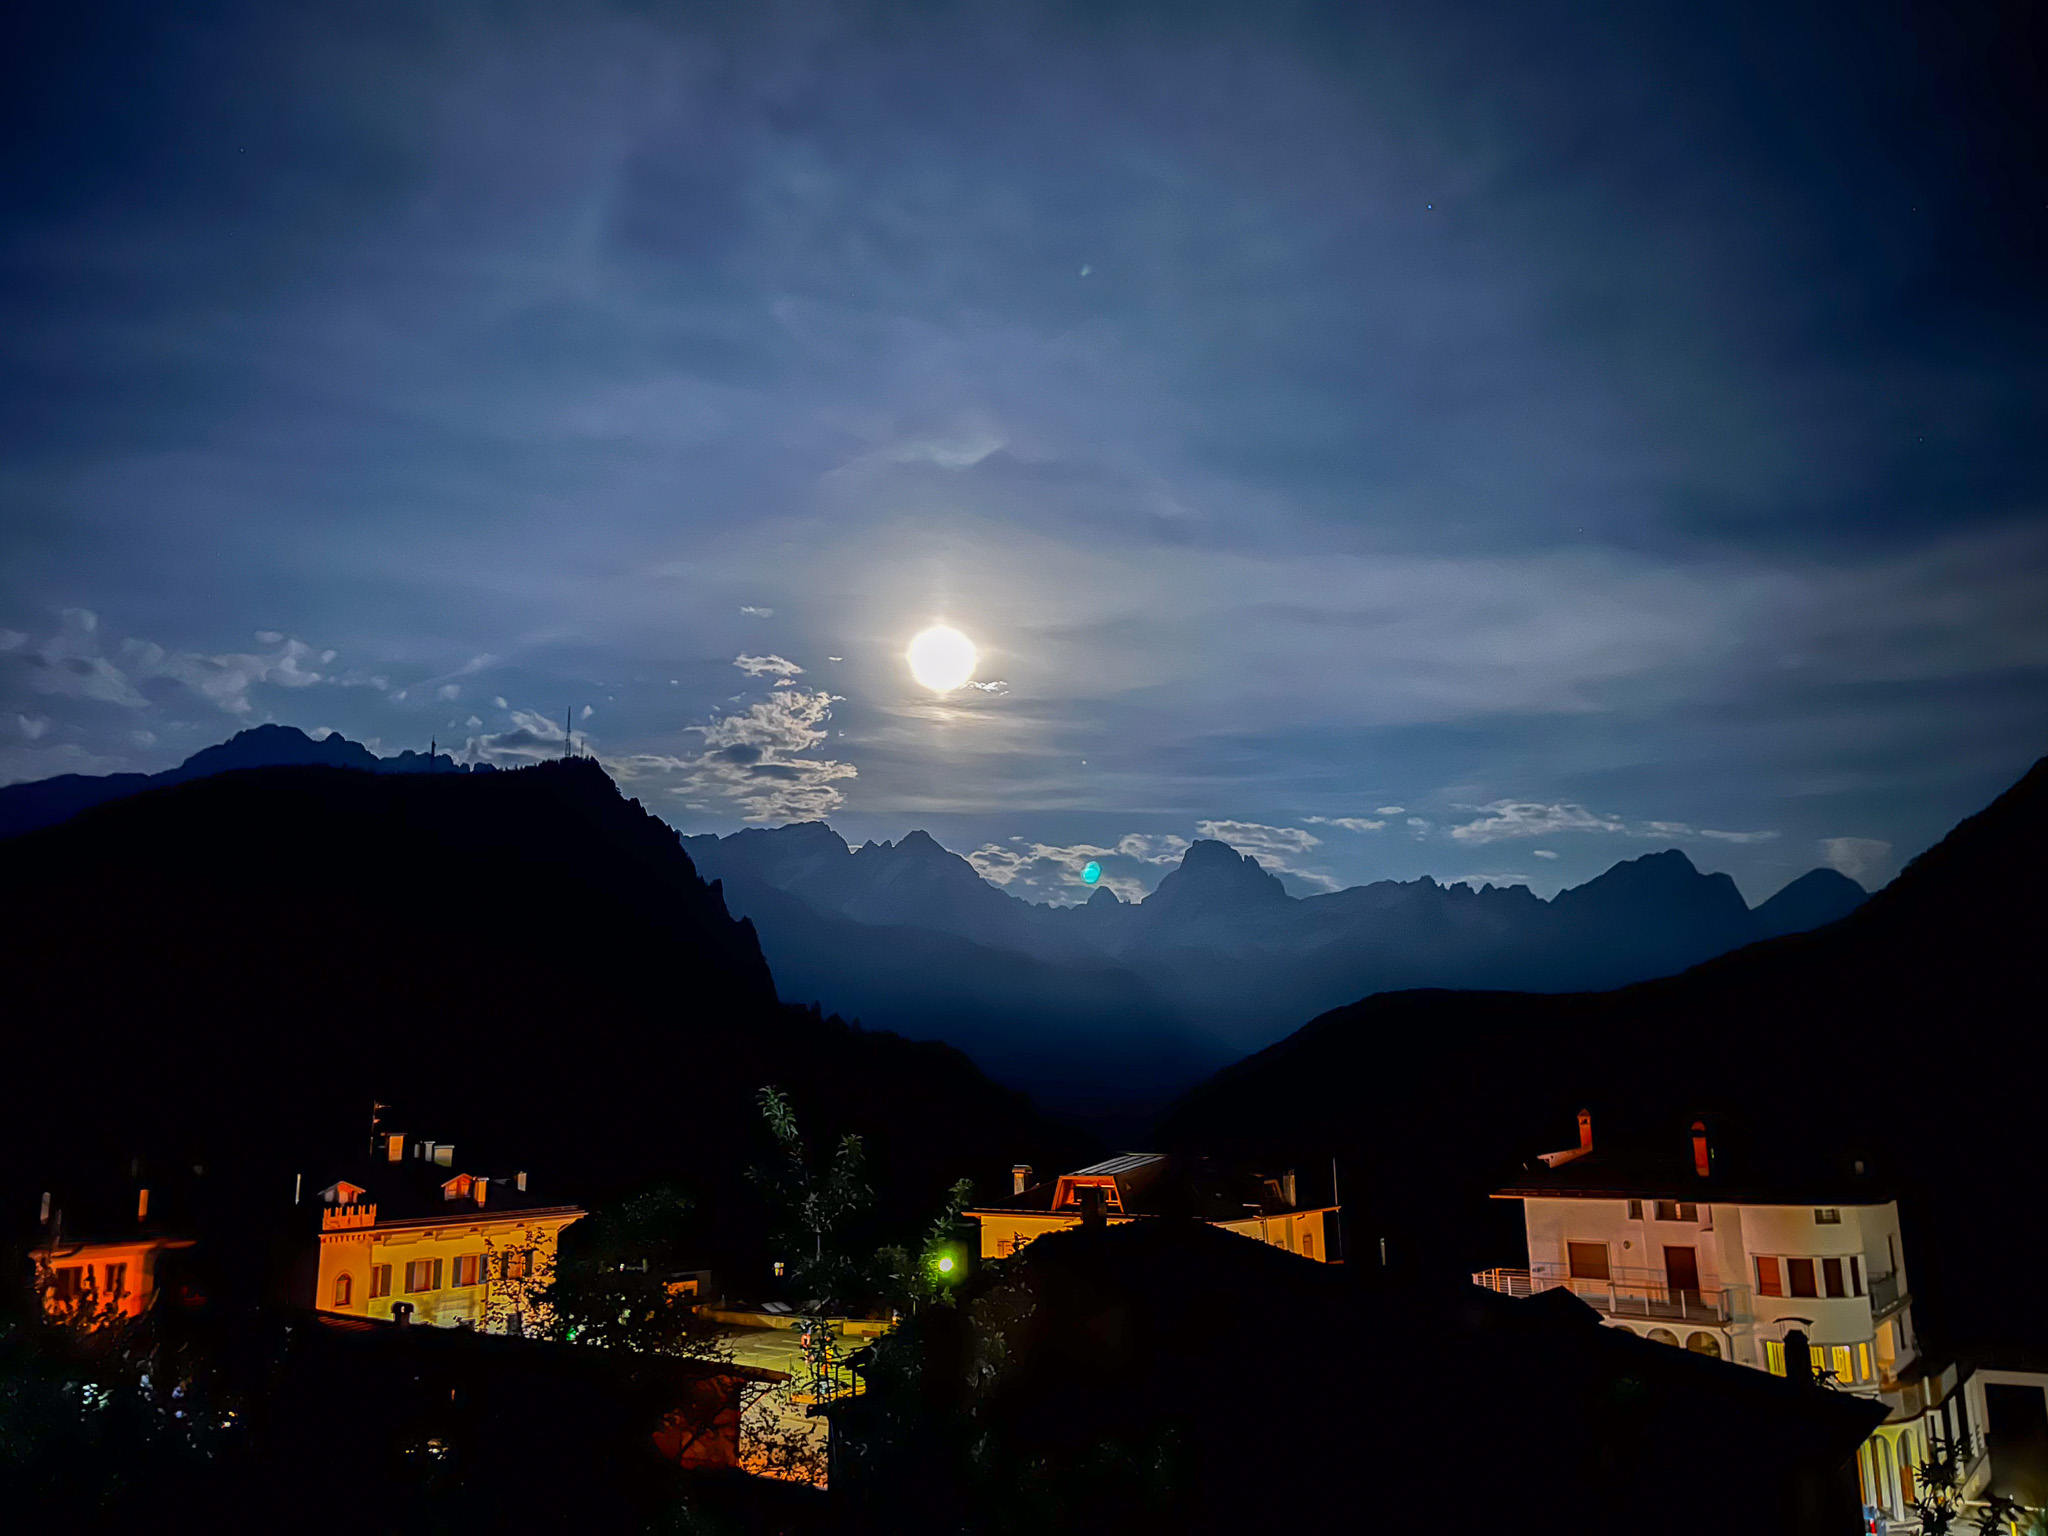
{"type": "Point", "coordinates": [417, 1236]}
{"type": "Point", "coordinates": [1135, 1185]}
{"type": "Point", "coordinates": [1782, 1269]}
{"type": "Point", "coordinates": [106, 1257]}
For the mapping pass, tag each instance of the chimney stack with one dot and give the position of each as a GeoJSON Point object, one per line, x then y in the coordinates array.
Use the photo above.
{"type": "Point", "coordinates": [1020, 1178]}
{"type": "Point", "coordinates": [1092, 1215]}
{"type": "Point", "coordinates": [45, 1218]}
{"type": "Point", "coordinates": [1287, 1189]}
{"type": "Point", "coordinates": [478, 1187]}
{"type": "Point", "coordinates": [1702, 1155]}
{"type": "Point", "coordinates": [519, 1181]}
{"type": "Point", "coordinates": [401, 1313]}
{"type": "Point", "coordinates": [394, 1149]}
{"type": "Point", "coordinates": [142, 1204]}
{"type": "Point", "coordinates": [1585, 1130]}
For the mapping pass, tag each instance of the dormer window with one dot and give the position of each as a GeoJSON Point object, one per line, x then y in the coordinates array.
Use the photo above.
{"type": "Point", "coordinates": [458, 1188]}
{"type": "Point", "coordinates": [341, 1192]}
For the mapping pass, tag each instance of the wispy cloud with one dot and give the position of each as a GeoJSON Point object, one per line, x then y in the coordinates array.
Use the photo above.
{"type": "Point", "coordinates": [1862, 859]}
{"type": "Point", "coordinates": [1347, 823]}
{"type": "Point", "coordinates": [1505, 819]}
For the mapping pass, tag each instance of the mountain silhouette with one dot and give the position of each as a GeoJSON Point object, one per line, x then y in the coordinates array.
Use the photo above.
{"type": "Point", "coordinates": [47, 802]}
{"type": "Point", "coordinates": [236, 966]}
{"type": "Point", "coordinates": [1219, 959]}
{"type": "Point", "coordinates": [1907, 1034]}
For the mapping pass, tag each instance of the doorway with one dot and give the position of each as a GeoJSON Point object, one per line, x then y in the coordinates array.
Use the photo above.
{"type": "Point", "coordinates": [1682, 1272]}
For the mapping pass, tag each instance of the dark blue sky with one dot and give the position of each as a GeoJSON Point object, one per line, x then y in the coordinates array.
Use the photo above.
{"type": "Point", "coordinates": [1466, 439]}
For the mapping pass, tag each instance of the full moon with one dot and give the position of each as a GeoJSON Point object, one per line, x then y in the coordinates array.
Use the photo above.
{"type": "Point", "coordinates": [942, 658]}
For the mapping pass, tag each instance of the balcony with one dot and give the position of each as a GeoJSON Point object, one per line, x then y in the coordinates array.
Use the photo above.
{"type": "Point", "coordinates": [1626, 1293]}
{"type": "Point", "coordinates": [1886, 1295]}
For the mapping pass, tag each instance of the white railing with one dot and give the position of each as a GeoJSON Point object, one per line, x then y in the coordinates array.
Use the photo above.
{"type": "Point", "coordinates": [1625, 1293]}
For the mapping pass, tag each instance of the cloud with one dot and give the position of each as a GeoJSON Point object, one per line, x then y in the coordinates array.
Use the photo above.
{"type": "Point", "coordinates": [449, 691]}
{"type": "Point", "coordinates": [757, 613]}
{"type": "Point", "coordinates": [1055, 869]}
{"type": "Point", "coordinates": [32, 726]}
{"type": "Point", "coordinates": [767, 666]}
{"type": "Point", "coordinates": [1738, 837]}
{"type": "Point", "coordinates": [1862, 859]}
{"type": "Point", "coordinates": [1506, 819]}
{"type": "Point", "coordinates": [1388, 810]}
{"type": "Point", "coordinates": [73, 663]}
{"type": "Point", "coordinates": [1348, 823]}
{"type": "Point", "coordinates": [757, 759]}
{"type": "Point", "coordinates": [998, 686]}
{"type": "Point", "coordinates": [1543, 853]}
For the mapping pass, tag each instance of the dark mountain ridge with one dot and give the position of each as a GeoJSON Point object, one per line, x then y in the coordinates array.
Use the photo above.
{"type": "Point", "coordinates": [49, 802]}
{"type": "Point", "coordinates": [1907, 1034]}
{"type": "Point", "coordinates": [229, 970]}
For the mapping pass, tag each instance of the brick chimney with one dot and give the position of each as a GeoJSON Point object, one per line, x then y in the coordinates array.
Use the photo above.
{"type": "Point", "coordinates": [1020, 1178]}
{"type": "Point", "coordinates": [1702, 1154]}
{"type": "Point", "coordinates": [1585, 1130]}
{"type": "Point", "coordinates": [478, 1186]}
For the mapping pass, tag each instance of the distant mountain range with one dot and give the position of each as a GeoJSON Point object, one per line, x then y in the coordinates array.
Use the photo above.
{"type": "Point", "coordinates": [1909, 1035]}
{"type": "Point", "coordinates": [1218, 960]}
{"type": "Point", "coordinates": [1109, 1008]}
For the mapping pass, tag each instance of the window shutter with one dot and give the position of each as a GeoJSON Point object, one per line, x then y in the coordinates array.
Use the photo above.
{"type": "Point", "coordinates": [437, 1276]}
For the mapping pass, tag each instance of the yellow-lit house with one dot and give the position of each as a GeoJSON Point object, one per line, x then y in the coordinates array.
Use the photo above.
{"type": "Point", "coordinates": [1135, 1185]}
{"type": "Point", "coordinates": [453, 1248]}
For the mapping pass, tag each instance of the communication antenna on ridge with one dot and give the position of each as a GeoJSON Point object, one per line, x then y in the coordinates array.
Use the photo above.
{"type": "Point", "coordinates": [433, 746]}
{"type": "Point", "coordinates": [568, 737]}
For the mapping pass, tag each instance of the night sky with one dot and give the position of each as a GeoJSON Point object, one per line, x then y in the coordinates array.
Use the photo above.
{"type": "Point", "coordinates": [1488, 441]}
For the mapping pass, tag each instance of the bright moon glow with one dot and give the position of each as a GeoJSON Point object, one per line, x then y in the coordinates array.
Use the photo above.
{"type": "Point", "coordinates": [1092, 873]}
{"type": "Point", "coordinates": [942, 658]}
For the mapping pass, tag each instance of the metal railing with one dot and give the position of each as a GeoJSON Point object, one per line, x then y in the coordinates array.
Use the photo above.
{"type": "Point", "coordinates": [1885, 1293]}
{"type": "Point", "coordinates": [1625, 1293]}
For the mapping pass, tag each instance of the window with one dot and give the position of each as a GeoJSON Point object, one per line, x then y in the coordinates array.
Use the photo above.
{"type": "Point", "coordinates": [380, 1280]}
{"type": "Point", "coordinates": [1855, 1276]}
{"type": "Point", "coordinates": [1677, 1210]}
{"type": "Point", "coordinates": [344, 1290]}
{"type": "Point", "coordinates": [1662, 1336]}
{"type": "Point", "coordinates": [466, 1267]}
{"type": "Point", "coordinates": [1865, 1373]}
{"type": "Point", "coordinates": [422, 1275]}
{"type": "Point", "coordinates": [1831, 1274]}
{"type": "Point", "coordinates": [1704, 1344]}
{"type": "Point", "coordinates": [117, 1281]}
{"type": "Point", "coordinates": [1827, 1216]}
{"type": "Point", "coordinates": [1587, 1261]}
{"type": "Point", "coordinates": [1308, 1245]}
{"type": "Point", "coordinates": [1635, 1210]}
{"type": "Point", "coordinates": [518, 1263]}
{"type": "Point", "coordinates": [1844, 1370]}
{"type": "Point", "coordinates": [1800, 1273]}
{"type": "Point", "coordinates": [1768, 1280]}
{"type": "Point", "coordinates": [1774, 1356]}
{"type": "Point", "coordinates": [70, 1284]}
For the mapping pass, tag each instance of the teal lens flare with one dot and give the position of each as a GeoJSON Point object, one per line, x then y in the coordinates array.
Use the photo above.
{"type": "Point", "coordinates": [1092, 873]}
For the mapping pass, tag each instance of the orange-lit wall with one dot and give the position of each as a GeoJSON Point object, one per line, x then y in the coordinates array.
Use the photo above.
{"type": "Point", "coordinates": [138, 1283]}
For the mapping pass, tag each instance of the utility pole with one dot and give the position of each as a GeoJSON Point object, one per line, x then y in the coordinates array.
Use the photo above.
{"type": "Point", "coordinates": [568, 740]}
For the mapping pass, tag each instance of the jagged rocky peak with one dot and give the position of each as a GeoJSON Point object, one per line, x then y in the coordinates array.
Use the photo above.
{"type": "Point", "coordinates": [1105, 897]}
{"type": "Point", "coordinates": [1211, 872]}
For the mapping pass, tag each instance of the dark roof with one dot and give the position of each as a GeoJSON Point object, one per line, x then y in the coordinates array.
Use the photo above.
{"type": "Point", "coordinates": [1248, 1375]}
{"type": "Point", "coordinates": [412, 1190]}
{"type": "Point", "coordinates": [1667, 1173]}
{"type": "Point", "coordinates": [1156, 1184]}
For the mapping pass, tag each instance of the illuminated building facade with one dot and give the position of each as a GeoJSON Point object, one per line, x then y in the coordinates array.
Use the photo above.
{"type": "Point", "coordinates": [1750, 1269]}
{"type": "Point", "coordinates": [1134, 1185]}
{"type": "Point", "coordinates": [453, 1248]}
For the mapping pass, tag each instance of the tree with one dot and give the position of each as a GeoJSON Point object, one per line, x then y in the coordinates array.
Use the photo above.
{"type": "Point", "coordinates": [939, 1264]}
{"type": "Point", "coordinates": [1938, 1496]}
{"type": "Point", "coordinates": [615, 1281]}
{"type": "Point", "coordinates": [812, 1203]}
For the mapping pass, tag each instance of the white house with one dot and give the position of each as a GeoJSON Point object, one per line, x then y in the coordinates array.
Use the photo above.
{"type": "Point", "coordinates": [1746, 1266]}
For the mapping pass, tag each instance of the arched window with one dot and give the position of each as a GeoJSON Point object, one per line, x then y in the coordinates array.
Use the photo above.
{"type": "Point", "coordinates": [1663, 1336]}
{"type": "Point", "coordinates": [344, 1289]}
{"type": "Point", "coordinates": [1883, 1458]}
{"type": "Point", "coordinates": [1704, 1344]}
